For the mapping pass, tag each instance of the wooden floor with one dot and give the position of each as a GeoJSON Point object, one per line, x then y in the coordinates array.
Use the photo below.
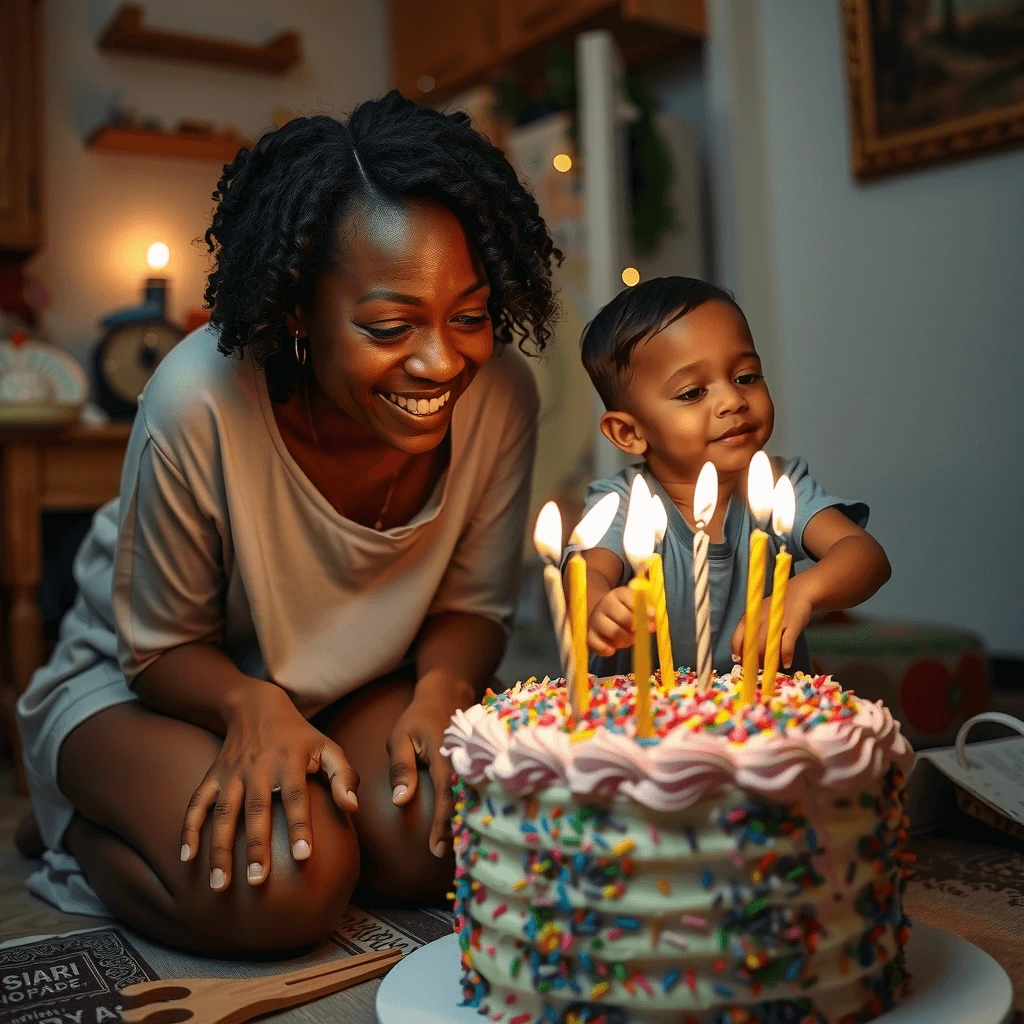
{"type": "Point", "coordinates": [21, 913]}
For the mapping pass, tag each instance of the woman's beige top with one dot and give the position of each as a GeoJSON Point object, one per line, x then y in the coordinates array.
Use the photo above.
{"type": "Point", "coordinates": [219, 536]}
{"type": "Point", "coordinates": [223, 538]}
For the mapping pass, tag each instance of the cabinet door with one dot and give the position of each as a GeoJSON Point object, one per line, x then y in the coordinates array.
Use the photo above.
{"type": "Point", "coordinates": [437, 44]}
{"type": "Point", "coordinates": [525, 23]}
{"type": "Point", "coordinates": [20, 125]}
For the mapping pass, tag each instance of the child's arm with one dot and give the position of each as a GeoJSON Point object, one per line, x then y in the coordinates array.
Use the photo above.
{"type": "Point", "coordinates": [609, 607]}
{"type": "Point", "coordinates": [851, 567]}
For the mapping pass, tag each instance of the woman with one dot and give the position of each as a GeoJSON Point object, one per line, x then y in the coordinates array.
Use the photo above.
{"type": "Point", "coordinates": [312, 562]}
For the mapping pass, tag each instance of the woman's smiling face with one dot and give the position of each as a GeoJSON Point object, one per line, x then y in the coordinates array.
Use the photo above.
{"type": "Point", "coordinates": [399, 329]}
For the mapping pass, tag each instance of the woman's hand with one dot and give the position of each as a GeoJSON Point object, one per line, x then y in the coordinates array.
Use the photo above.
{"type": "Point", "coordinates": [796, 613]}
{"type": "Point", "coordinates": [416, 740]}
{"type": "Point", "coordinates": [268, 745]}
{"type": "Point", "coordinates": [610, 627]}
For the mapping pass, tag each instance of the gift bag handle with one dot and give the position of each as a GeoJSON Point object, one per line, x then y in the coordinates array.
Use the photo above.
{"type": "Point", "coordinates": [986, 716]}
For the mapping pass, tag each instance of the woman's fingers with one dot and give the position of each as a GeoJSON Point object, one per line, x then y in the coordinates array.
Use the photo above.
{"type": "Point", "coordinates": [195, 815]}
{"type": "Point", "coordinates": [344, 779]}
{"type": "Point", "coordinates": [295, 797]}
{"type": "Point", "coordinates": [257, 829]}
{"type": "Point", "coordinates": [404, 773]}
{"type": "Point", "coordinates": [444, 804]}
{"type": "Point", "coordinates": [222, 834]}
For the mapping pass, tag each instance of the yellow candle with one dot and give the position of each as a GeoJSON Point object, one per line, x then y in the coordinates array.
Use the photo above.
{"type": "Point", "coordinates": [755, 595]}
{"type": "Point", "coordinates": [783, 514]}
{"type": "Point", "coordinates": [783, 563]}
{"type": "Point", "coordinates": [656, 574]}
{"type": "Point", "coordinates": [578, 621]}
{"type": "Point", "coordinates": [642, 656]}
{"type": "Point", "coordinates": [760, 485]}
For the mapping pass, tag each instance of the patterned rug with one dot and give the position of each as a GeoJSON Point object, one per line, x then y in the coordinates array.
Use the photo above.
{"type": "Point", "coordinates": [977, 891]}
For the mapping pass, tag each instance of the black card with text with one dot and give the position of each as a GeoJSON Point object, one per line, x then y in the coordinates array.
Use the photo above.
{"type": "Point", "coordinates": [69, 979]}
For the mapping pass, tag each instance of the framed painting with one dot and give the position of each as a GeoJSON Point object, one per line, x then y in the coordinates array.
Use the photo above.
{"type": "Point", "coordinates": [932, 80]}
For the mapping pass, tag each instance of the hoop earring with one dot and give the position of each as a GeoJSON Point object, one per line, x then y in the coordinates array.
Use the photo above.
{"type": "Point", "coordinates": [301, 351]}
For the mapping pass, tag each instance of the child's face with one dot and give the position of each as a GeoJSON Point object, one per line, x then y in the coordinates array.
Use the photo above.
{"type": "Point", "coordinates": [696, 394]}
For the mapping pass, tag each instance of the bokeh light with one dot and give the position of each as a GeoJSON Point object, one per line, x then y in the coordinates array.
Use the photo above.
{"type": "Point", "coordinates": [158, 255]}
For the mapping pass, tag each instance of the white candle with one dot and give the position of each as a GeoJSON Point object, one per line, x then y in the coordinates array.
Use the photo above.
{"type": "Point", "coordinates": [547, 539]}
{"type": "Point", "coordinates": [705, 499]}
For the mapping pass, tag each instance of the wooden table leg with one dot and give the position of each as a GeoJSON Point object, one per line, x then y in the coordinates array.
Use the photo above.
{"type": "Point", "coordinates": [20, 479]}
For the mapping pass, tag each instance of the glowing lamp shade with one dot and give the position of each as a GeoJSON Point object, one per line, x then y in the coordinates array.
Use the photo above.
{"type": "Point", "coordinates": [638, 534]}
{"type": "Point", "coordinates": [760, 488]}
{"type": "Point", "coordinates": [158, 256]}
{"type": "Point", "coordinates": [562, 162]}
{"type": "Point", "coordinates": [594, 525]}
{"type": "Point", "coordinates": [547, 534]}
{"type": "Point", "coordinates": [705, 495]}
{"type": "Point", "coordinates": [630, 277]}
{"type": "Point", "coordinates": [784, 507]}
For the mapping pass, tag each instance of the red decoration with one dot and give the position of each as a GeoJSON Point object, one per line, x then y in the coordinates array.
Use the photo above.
{"type": "Point", "coordinates": [933, 698]}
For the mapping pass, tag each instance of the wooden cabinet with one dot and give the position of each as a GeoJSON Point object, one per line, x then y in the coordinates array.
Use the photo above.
{"type": "Point", "coordinates": [525, 23]}
{"type": "Point", "coordinates": [20, 126]}
{"type": "Point", "coordinates": [438, 45]}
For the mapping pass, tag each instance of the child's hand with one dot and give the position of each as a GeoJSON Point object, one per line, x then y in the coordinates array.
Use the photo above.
{"type": "Point", "coordinates": [611, 622]}
{"type": "Point", "coordinates": [795, 616]}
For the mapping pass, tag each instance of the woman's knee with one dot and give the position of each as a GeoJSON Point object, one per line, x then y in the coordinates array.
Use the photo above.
{"type": "Point", "coordinates": [298, 904]}
{"type": "Point", "coordinates": [394, 843]}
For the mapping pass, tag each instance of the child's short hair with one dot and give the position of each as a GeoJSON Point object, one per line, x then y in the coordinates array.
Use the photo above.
{"type": "Point", "coordinates": [635, 313]}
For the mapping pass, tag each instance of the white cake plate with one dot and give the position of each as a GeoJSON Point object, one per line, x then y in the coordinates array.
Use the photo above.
{"type": "Point", "coordinates": [954, 982]}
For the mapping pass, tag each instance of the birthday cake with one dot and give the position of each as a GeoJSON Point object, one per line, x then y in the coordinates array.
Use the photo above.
{"type": "Point", "coordinates": [744, 864]}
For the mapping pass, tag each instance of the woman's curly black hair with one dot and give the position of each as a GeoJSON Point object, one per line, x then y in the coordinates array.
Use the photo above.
{"type": "Point", "coordinates": [279, 206]}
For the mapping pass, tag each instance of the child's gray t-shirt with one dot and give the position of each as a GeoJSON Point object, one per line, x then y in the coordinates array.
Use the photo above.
{"type": "Point", "coordinates": [727, 564]}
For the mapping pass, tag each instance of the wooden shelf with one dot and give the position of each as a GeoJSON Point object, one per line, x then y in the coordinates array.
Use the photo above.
{"type": "Point", "coordinates": [113, 139]}
{"type": "Point", "coordinates": [126, 34]}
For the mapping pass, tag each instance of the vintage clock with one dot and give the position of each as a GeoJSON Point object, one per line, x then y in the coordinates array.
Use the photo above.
{"type": "Point", "coordinates": [126, 358]}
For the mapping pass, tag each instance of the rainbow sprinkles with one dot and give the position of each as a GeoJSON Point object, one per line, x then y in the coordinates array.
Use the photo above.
{"type": "Point", "coordinates": [743, 864]}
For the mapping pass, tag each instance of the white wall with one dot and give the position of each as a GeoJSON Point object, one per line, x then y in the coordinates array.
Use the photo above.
{"type": "Point", "coordinates": [102, 209]}
{"type": "Point", "coordinates": [900, 328]}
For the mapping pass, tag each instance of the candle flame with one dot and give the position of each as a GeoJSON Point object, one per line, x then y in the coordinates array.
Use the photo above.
{"type": "Point", "coordinates": [638, 534]}
{"type": "Point", "coordinates": [659, 519]}
{"type": "Point", "coordinates": [705, 495]}
{"type": "Point", "coordinates": [547, 534]}
{"type": "Point", "coordinates": [760, 485]}
{"type": "Point", "coordinates": [784, 507]}
{"type": "Point", "coordinates": [594, 525]}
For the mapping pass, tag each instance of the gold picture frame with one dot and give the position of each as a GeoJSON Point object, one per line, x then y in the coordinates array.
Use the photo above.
{"type": "Point", "coordinates": [897, 124]}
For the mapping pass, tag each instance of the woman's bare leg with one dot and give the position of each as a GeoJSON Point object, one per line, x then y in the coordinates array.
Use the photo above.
{"type": "Point", "coordinates": [130, 774]}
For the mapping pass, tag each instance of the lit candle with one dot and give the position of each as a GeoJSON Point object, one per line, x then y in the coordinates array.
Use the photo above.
{"type": "Point", "coordinates": [589, 531]}
{"type": "Point", "coordinates": [638, 545]}
{"type": "Point", "coordinates": [547, 539]}
{"type": "Point", "coordinates": [784, 511]}
{"type": "Point", "coordinates": [656, 574]}
{"type": "Point", "coordinates": [641, 589]}
{"type": "Point", "coordinates": [759, 497]}
{"type": "Point", "coordinates": [705, 498]}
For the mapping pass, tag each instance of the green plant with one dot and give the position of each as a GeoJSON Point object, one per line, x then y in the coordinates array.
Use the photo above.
{"type": "Point", "coordinates": [651, 213]}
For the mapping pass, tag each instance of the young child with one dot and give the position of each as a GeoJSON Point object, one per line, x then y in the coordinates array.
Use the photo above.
{"type": "Point", "coordinates": [675, 364]}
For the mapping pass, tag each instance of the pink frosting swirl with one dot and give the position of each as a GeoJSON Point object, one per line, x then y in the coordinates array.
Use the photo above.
{"type": "Point", "coordinates": [605, 763]}
{"type": "Point", "coordinates": [473, 740]}
{"type": "Point", "coordinates": [684, 768]}
{"type": "Point", "coordinates": [536, 758]}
